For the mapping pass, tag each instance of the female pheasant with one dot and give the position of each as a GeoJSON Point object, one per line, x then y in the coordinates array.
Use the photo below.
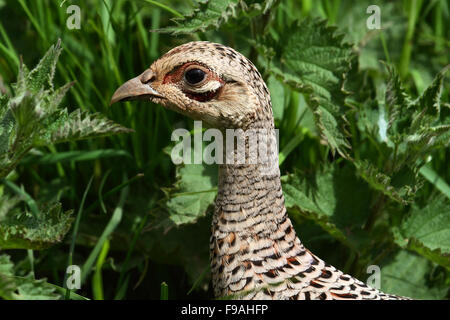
{"type": "Point", "coordinates": [255, 253]}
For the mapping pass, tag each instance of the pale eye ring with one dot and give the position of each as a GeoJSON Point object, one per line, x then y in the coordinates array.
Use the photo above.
{"type": "Point", "coordinates": [194, 76]}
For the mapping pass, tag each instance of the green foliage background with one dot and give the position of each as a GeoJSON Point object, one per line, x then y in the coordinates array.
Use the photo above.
{"type": "Point", "coordinates": [364, 127]}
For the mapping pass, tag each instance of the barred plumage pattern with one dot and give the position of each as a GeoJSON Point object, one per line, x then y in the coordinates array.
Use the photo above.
{"type": "Point", "coordinates": [255, 252]}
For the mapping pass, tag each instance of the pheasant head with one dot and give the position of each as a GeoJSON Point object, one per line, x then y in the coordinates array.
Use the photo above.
{"type": "Point", "coordinates": [204, 81]}
{"type": "Point", "coordinates": [254, 250]}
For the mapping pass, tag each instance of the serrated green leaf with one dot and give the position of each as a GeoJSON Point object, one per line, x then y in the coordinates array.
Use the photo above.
{"type": "Point", "coordinates": [195, 190]}
{"type": "Point", "coordinates": [415, 127]}
{"type": "Point", "coordinates": [369, 118]}
{"type": "Point", "coordinates": [82, 125]}
{"type": "Point", "coordinates": [27, 113]}
{"type": "Point", "coordinates": [30, 289]}
{"type": "Point", "coordinates": [430, 100]}
{"type": "Point", "coordinates": [334, 198]}
{"type": "Point", "coordinates": [426, 230]}
{"type": "Point", "coordinates": [397, 105]}
{"type": "Point", "coordinates": [21, 84]}
{"type": "Point", "coordinates": [7, 283]}
{"type": "Point", "coordinates": [32, 117]}
{"type": "Point", "coordinates": [22, 288]}
{"type": "Point", "coordinates": [6, 265]}
{"type": "Point", "coordinates": [42, 75]}
{"type": "Point", "coordinates": [213, 13]}
{"type": "Point", "coordinates": [436, 255]}
{"type": "Point", "coordinates": [54, 98]}
{"type": "Point", "coordinates": [406, 275]}
{"type": "Point", "coordinates": [6, 126]}
{"type": "Point", "coordinates": [314, 60]}
{"type": "Point", "coordinates": [209, 13]}
{"type": "Point", "coordinates": [403, 192]}
{"type": "Point", "coordinates": [22, 230]}
{"type": "Point", "coordinates": [3, 103]}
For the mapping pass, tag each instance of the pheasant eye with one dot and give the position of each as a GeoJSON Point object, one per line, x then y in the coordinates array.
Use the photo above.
{"type": "Point", "coordinates": [194, 76]}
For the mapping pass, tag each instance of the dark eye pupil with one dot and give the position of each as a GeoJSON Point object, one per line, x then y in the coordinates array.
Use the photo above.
{"type": "Point", "coordinates": [194, 76]}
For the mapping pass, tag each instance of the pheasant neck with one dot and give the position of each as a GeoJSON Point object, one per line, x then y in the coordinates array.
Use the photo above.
{"type": "Point", "coordinates": [250, 202]}
{"type": "Point", "coordinates": [250, 197]}
{"type": "Point", "coordinates": [250, 225]}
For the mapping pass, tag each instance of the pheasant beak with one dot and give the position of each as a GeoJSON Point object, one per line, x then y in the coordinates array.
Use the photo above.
{"type": "Point", "coordinates": [137, 88]}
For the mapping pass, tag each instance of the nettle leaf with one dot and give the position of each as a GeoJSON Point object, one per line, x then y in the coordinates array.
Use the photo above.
{"type": "Point", "coordinates": [82, 125]}
{"type": "Point", "coordinates": [430, 100]}
{"type": "Point", "coordinates": [408, 274]}
{"type": "Point", "coordinates": [42, 75]}
{"type": "Point", "coordinates": [23, 230]}
{"type": "Point", "coordinates": [32, 117]}
{"type": "Point", "coordinates": [6, 127]}
{"type": "Point", "coordinates": [6, 265]}
{"type": "Point", "coordinates": [194, 191]}
{"type": "Point", "coordinates": [427, 231]}
{"type": "Point", "coordinates": [213, 13]}
{"type": "Point", "coordinates": [370, 119]}
{"type": "Point", "coordinates": [334, 198]}
{"type": "Point", "coordinates": [3, 103]}
{"type": "Point", "coordinates": [7, 283]}
{"type": "Point", "coordinates": [54, 98]}
{"type": "Point", "coordinates": [27, 112]}
{"type": "Point", "coordinates": [398, 106]}
{"type": "Point", "coordinates": [415, 127]}
{"type": "Point", "coordinates": [22, 288]}
{"type": "Point", "coordinates": [312, 58]}
{"type": "Point", "coordinates": [209, 13]}
{"type": "Point", "coordinates": [30, 289]}
{"type": "Point", "coordinates": [403, 192]}
{"type": "Point", "coordinates": [21, 84]}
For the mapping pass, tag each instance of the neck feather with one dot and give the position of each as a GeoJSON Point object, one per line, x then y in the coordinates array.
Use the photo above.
{"type": "Point", "coordinates": [250, 225]}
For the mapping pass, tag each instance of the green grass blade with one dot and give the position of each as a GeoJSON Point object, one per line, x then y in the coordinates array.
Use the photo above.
{"type": "Point", "coordinates": [9, 49]}
{"type": "Point", "coordinates": [33, 21]}
{"type": "Point", "coordinates": [75, 231]}
{"type": "Point", "coordinates": [110, 227]}
{"type": "Point", "coordinates": [136, 235]}
{"type": "Point", "coordinates": [164, 291]}
{"type": "Point", "coordinates": [75, 155]}
{"type": "Point", "coordinates": [100, 190]}
{"type": "Point", "coordinates": [289, 147]}
{"type": "Point", "coordinates": [25, 196]}
{"type": "Point", "coordinates": [428, 173]}
{"type": "Point", "coordinates": [97, 279]}
{"type": "Point", "coordinates": [115, 190]}
{"type": "Point", "coordinates": [163, 6]}
{"type": "Point", "coordinates": [31, 259]}
{"type": "Point", "coordinates": [122, 289]}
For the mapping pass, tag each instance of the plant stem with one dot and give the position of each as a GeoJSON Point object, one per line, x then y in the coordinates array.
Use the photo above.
{"type": "Point", "coordinates": [375, 212]}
